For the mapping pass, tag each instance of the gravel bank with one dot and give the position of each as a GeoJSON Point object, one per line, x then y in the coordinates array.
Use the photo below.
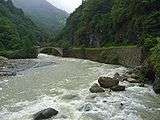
{"type": "Point", "coordinates": [13, 66]}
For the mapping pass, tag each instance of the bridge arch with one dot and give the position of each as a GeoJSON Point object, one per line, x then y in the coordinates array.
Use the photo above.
{"type": "Point", "coordinates": [51, 51]}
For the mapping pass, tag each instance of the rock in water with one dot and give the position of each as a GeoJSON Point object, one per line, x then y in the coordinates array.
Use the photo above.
{"type": "Point", "coordinates": [71, 97]}
{"type": "Point", "coordinates": [118, 88]}
{"type": "Point", "coordinates": [141, 85]}
{"type": "Point", "coordinates": [156, 86]}
{"type": "Point", "coordinates": [107, 82]}
{"type": "Point", "coordinates": [95, 88]}
{"type": "Point", "coordinates": [134, 76]}
{"type": "Point", "coordinates": [119, 77]}
{"type": "Point", "coordinates": [131, 80]}
{"type": "Point", "coordinates": [45, 114]}
{"type": "Point", "coordinates": [86, 107]}
{"type": "Point", "coordinates": [116, 75]}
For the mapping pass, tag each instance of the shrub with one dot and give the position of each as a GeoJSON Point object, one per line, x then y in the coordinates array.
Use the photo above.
{"type": "Point", "coordinates": [19, 54]}
{"type": "Point", "coordinates": [155, 57]}
{"type": "Point", "coordinates": [149, 42]}
{"type": "Point", "coordinates": [109, 57]}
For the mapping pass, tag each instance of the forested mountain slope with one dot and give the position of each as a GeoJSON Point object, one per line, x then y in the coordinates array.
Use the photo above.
{"type": "Point", "coordinates": [15, 28]}
{"type": "Point", "coordinates": [45, 15]}
{"type": "Point", "coordinates": [102, 22]}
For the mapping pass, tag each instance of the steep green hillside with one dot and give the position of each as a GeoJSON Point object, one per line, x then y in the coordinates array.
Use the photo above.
{"type": "Point", "coordinates": [16, 30]}
{"type": "Point", "coordinates": [45, 15]}
{"type": "Point", "coordinates": [107, 22]}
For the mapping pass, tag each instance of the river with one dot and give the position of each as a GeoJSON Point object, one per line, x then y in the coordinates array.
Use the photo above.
{"type": "Point", "coordinates": [63, 84]}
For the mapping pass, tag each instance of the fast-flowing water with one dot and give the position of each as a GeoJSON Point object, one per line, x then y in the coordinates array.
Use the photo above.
{"type": "Point", "coordinates": [64, 85]}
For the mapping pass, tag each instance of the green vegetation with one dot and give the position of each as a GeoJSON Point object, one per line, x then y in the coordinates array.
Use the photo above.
{"type": "Point", "coordinates": [155, 56]}
{"type": "Point", "coordinates": [94, 24]}
{"type": "Point", "coordinates": [99, 23]}
{"type": "Point", "coordinates": [17, 32]}
{"type": "Point", "coordinates": [19, 54]}
{"type": "Point", "coordinates": [46, 16]}
{"type": "Point", "coordinates": [108, 57]}
{"type": "Point", "coordinates": [107, 23]}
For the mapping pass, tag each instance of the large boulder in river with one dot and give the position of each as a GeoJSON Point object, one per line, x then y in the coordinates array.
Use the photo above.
{"type": "Point", "coordinates": [118, 88]}
{"type": "Point", "coordinates": [45, 114]}
{"type": "Point", "coordinates": [134, 76]}
{"type": "Point", "coordinates": [119, 77]}
{"type": "Point", "coordinates": [156, 86]}
{"type": "Point", "coordinates": [95, 88]}
{"type": "Point", "coordinates": [107, 82]}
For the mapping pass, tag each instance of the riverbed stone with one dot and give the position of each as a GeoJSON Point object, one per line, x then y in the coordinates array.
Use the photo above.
{"type": "Point", "coordinates": [119, 77]}
{"type": "Point", "coordinates": [45, 114]}
{"type": "Point", "coordinates": [71, 97]}
{"type": "Point", "coordinates": [129, 72]}
{"type": "Point", "coordinates": [134, 76]}
{"type": "Point", "coordinates": [141, 85]}
{"type": "Point", "coordinates": [107, 82]}
{"type": "Point", "coordinates": [86, 107]}
{"type": "Point", "coordinates": [95, 88]}
{"type": "Point", "coordinates": [132, 80]}
{"type": "Point", "coordinates": [116, 75]}
{"type": "Point", "coordinates": [118, 88]}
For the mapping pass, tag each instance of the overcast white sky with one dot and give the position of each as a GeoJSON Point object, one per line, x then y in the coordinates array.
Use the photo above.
{"type": "Point", "coordinates": [67, 5]}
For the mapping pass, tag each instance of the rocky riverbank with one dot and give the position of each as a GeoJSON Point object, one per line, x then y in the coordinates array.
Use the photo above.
{"type": "Point", "coordinates": [115, 83]}
{"type": "Point", "coordinates": [135, 76]}
{"type": "Point", "coordinates": [10, 67]}
{"type": "Point", "coordinates": [120, 83]}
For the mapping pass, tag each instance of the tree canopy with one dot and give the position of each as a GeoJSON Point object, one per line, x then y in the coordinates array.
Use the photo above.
{"type": "Point", "coordinates": [16, 28]}
{"type": "Point", "coordinates": [101, 22]}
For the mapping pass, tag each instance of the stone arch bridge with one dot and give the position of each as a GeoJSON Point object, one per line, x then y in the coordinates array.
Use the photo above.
{"type": "Point", "coordinates": [51, 50]}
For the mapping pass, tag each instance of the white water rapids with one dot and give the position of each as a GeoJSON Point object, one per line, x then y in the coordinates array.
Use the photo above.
{"type": "Point", "coordinates": [63, 84]}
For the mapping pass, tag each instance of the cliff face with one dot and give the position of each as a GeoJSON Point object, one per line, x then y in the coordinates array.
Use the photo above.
{"type": "Point", "coordinates": [102, 22]}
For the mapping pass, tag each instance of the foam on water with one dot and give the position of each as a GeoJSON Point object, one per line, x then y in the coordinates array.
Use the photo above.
{"type": "Point", "coordinates": [76, 102]}
{"type": "Point", "coordinates": [3, 81]}
{"type": "Point", "coordinates": [104, 106]}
